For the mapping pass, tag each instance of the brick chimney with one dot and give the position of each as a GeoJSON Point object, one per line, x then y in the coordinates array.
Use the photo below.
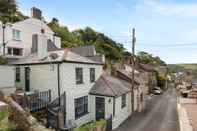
{"type": "Point", "coordinates": [36, 13]}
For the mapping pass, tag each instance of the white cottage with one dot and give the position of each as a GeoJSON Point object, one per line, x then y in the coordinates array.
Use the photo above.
{"type": "Point", "coordinates": [111, 97]}
{"type": "Point", "coordinates": [21, 36]}
{"type": "Point", "coordinates": [61, 71]}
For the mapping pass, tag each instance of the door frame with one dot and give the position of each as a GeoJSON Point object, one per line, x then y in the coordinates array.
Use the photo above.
{"type": "Point", "coordinates": [103, 100]}
{"type": "Point", "coordinates": [27, 79]}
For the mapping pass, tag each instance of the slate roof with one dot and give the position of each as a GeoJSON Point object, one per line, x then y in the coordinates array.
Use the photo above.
{"type": "Point", "coordinates": [51, 46]}
{"type": "Point", "coordinates": [64, 55]}
{"type": "Point", "coordinates": [88, 50]}
{"type": "Point", "coordinates": [147, 67]}
{"type": "Point", "coordinates": [129, 75]}
{"type": "Point", "coordinates": [110, 86]}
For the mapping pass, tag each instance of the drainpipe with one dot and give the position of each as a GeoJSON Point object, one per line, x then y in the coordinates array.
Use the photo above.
{"type": "Point", "coordinates": [3, 38]}
{"type": "Point", "coordinates": [114, 106]}
{"type": "Point", "coordinates": [58, 82]}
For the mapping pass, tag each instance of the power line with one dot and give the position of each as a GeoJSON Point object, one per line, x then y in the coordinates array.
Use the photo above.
{"type": "Point", "coordinates": [164, 45]}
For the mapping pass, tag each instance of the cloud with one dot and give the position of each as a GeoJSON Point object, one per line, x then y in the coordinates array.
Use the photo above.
{"type": "Point", "coordinates": [170, 9]}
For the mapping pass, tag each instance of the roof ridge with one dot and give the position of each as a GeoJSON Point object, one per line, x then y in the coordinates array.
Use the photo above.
{"type": "Point", "coordinates": [108, 85]}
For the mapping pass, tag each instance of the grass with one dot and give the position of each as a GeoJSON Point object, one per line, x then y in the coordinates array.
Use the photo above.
{"type": "Point", "coordinates": [189, 66]}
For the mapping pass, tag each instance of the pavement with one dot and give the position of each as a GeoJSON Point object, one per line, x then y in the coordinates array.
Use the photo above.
{"type": "Point", "coordinates": [160, 115]}
{"type": "Point", "coordinates": [191, 110]}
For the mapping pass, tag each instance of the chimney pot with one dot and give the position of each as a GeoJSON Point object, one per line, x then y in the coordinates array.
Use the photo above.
{"type": "Point", "coordinates": [36, 13]}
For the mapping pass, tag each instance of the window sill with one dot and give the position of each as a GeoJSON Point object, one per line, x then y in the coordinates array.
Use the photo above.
{"type": "Point", "coordinates": [123, 107]}
{"type": "Point", "coordinates": [16, 40]}
{"type": "Point", "coordinates": [82, 116]}
{"type": "Point", "coordinates": [80, 83]}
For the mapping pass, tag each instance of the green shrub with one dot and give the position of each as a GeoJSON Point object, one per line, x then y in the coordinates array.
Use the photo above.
{"type": "Point", "coordinates": [92, 126]}
{"type": "Point", "coordinates": [3, 60]}
{"type": "Point", "coordinates": [5, 125]}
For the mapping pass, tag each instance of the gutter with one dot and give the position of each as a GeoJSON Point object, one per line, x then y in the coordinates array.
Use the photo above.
{"type": "Point", "coordinates": [54, 62]}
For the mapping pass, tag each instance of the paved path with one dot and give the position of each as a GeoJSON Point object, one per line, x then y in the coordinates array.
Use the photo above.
{"type": "Point", "coordinates": [160, 115]}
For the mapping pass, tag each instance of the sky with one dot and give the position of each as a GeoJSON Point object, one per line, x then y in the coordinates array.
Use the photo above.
{"type": "Point", "coordinates": [164, 28]}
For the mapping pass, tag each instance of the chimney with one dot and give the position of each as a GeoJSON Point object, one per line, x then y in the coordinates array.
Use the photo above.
{"type": "Point", "coordinates": [42, 46]}
{"type": "Point", "coordinates": [36, 13]}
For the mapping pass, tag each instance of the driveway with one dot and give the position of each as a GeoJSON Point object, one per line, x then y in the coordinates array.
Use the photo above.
{"type": "Point", "coordinates": [160, 115]}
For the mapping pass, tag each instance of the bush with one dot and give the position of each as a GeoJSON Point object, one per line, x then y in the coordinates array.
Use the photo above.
{"type": "Point", "coordinates": [3, 60]}
{"type": "Point", "coordinates": [93, 126]}
{"type": "Point", "coordinates": [161, 81]}
{"type": "Point", "coordinates": [5, 125]}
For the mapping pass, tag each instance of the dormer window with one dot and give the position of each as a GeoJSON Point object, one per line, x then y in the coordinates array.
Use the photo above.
{"type": "Point", "coordinates": [16, 34]}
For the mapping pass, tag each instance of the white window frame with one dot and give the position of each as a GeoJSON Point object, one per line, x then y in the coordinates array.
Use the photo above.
{"type": "Point", "coordinates": [16, 34]}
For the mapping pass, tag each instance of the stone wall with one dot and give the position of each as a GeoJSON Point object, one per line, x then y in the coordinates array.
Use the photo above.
{"type": "Point", "coordinates": [24, 120]}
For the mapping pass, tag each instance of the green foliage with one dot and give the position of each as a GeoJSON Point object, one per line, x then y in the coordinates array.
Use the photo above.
{"type": "Point", "coordinates": [3, 60]}
{"type": "Point", "coordinates": [9, 11]}
{"type": "Point", "coordinates": [175, 68]}
{"type": "Point", "coordinates": [5, 125]}
{"type": "Point", "coordinates": [68, 39]}
{"type": "Point", "coordinates": [92, 126]}
{"type": "Point", "coordinates": [161, 80]}
{"type": "Point", "coordinates": [88, 36]}
{"type": "Point", "coordinates": [147, 58]}
{"type": "Point", "coordinates": [105, 45]}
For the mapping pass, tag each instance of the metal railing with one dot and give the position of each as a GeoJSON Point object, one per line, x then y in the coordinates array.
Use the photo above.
{"type": "Point", "coordinates": [37, 101]}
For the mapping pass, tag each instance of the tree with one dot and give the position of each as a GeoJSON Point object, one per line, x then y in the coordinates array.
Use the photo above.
{"type": "Point", "coordinates": [8, 9]}
{"type": "Point", "coordinates": [147, 58]}
{"type": "Point", "coordinates": [103, 44]}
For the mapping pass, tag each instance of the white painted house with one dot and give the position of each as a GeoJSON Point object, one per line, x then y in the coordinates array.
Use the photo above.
{"type": "Point", "coordinates": [62, 71]}
{"type": "Point", "coordinates": [20, 36]}
{"type": "Point", "coordinates": [111, 97]}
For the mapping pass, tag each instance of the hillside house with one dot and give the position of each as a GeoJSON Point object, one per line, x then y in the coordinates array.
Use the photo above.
{"type": "Point", "coordinates": [150, 72]}
{"type": "Point", "coordinates": [61, 71]}
{"type": "Point", "coordinates": [140, 93]}
{"type": "Point", "coordinates": [21, 36]}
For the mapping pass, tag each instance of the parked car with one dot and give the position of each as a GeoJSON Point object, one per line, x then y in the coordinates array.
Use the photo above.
{"type": "Point", "coordinates": [157, 91]}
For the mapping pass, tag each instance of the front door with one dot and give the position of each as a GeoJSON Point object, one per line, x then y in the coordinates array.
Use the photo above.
{"type": "Point", "coordinates": [100, 108]}
{"type": "Point", "coordinates": [27, 79]}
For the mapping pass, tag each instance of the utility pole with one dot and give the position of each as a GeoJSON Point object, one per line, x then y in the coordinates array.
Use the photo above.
{"type": "Point", "coordinates": [133, 67]}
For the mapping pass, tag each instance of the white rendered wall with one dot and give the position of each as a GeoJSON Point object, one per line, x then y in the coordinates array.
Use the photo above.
{"type": "Point", "coordinates": [27, 27]}
{"type": "Point", "coordinates": [121, 114]}
{"type": "Point", "coordinates": [43, 78]}
{"type": "Point", "coordinates": [73, 91]}
{"type": "Point", "coordinates": [7, 76]}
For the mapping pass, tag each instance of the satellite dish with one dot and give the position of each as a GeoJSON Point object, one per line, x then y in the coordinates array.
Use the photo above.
{"type": "Point", "coordinates": [53, 56]}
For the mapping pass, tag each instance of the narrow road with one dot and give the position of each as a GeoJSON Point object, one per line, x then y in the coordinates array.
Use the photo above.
{"type": "Point", "coordinates": [160, 115]}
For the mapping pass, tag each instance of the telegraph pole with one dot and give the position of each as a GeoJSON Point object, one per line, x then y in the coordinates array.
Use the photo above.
{"type": "Point", "coordinates": [133, 67]}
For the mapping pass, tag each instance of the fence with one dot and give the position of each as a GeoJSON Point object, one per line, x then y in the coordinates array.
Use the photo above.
{"type": "Point", "coordinates": [37, 101]}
